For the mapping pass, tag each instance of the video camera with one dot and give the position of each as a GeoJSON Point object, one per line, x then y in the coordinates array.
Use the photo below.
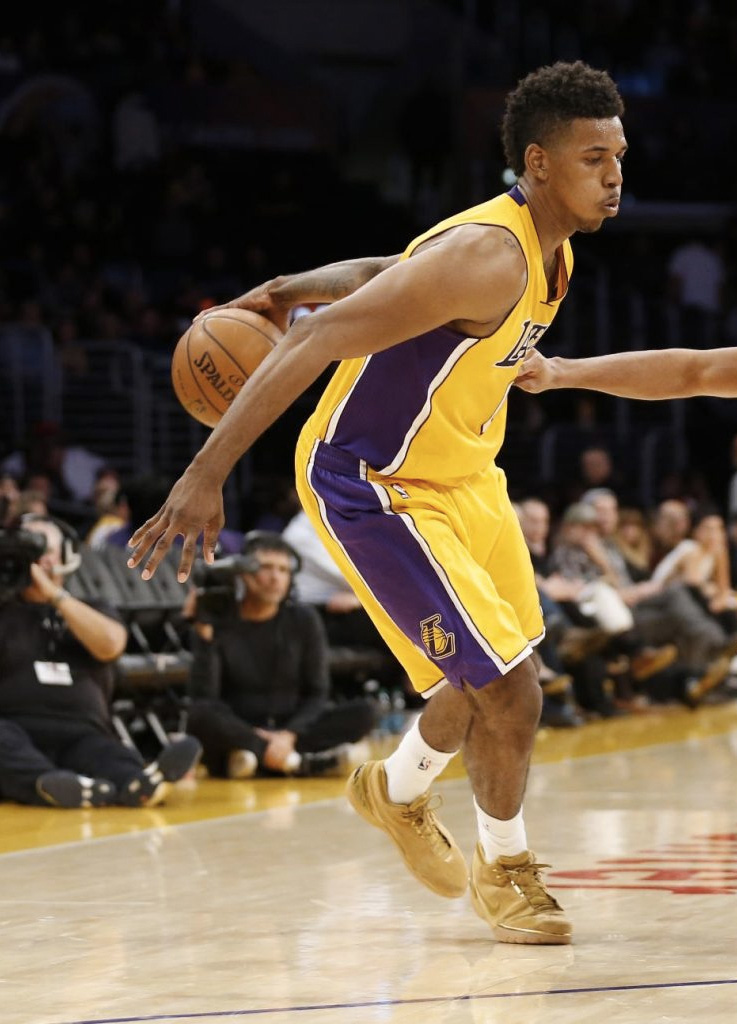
{"type": "Point", "coordinates": [217, 584]}
{"type": "Point", "coordinates": [19, 549]}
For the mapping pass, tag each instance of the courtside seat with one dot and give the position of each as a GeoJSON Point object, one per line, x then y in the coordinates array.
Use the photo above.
{"type": "Point", "coordinates": [93, 580]}
{"type": "Point", "coordinates": [149, 697]}
{"type": "Point", "coordinates": [138, 596]}
{"type": "Point", "coordinates": [151, 676]}
{"type": "Point", "coordinates": [152, 608]}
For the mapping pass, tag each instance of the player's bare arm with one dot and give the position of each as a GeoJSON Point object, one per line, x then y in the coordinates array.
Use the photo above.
{"type": "Point", "coordinates": [667, 373]}
{"type": "Point", "coordinates": [334, 281]}
{"type": "Point", "coordinates": [474, 276]}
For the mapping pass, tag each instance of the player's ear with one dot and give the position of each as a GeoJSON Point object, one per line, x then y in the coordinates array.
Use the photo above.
{"type": "Point", "coordinates": [536, 161]}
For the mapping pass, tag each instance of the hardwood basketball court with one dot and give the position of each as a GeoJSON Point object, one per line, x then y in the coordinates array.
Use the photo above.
{"type": "Point", "coordinates": [271, 901]}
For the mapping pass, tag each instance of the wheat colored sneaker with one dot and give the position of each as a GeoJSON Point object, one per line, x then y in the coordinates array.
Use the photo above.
{"type": "Point", "coordinates": [428, 849]}
{"type": "Point", "coordinates": [510, 896]}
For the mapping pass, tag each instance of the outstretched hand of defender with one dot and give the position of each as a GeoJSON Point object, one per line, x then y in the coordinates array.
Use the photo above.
{"type": "Point", "coordinates": [263, 299]}
{"type": "Point", "coordinates": [194, 507]}
{"type": "Point", "coordinates": [536, 373]}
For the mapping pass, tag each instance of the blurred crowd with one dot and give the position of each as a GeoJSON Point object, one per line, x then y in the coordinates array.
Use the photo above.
{"type": "Point", "coordinates": [640, 607]}
{"type": "Point", "coordinates": [118, 222]}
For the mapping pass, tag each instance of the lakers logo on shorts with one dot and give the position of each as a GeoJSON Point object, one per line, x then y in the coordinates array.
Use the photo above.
{"type": "Point", "coordinates": [438, 643]}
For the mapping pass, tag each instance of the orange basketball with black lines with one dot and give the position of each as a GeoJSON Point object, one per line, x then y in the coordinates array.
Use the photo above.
{"type": "Point", "coordinates": [216, 356]}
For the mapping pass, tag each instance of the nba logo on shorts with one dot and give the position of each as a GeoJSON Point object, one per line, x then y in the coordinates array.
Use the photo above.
{"type": "Point", "coordinates": [438, 643]}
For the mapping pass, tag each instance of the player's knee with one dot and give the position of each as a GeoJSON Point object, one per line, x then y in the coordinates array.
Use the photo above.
{"type": "Point", "coordinates": [516, 694]}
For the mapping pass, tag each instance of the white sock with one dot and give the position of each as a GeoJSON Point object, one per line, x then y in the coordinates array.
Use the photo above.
{"type": "Point", "coordinates": [500, 838]}
{"type": "Point", "coordinates": [413, 766]}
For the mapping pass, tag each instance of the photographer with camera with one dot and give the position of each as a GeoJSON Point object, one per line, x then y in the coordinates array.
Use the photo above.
{"type": "Point", "coordinates": [259, 684]}
{"type": "Point", "coordinates": [57, 743]}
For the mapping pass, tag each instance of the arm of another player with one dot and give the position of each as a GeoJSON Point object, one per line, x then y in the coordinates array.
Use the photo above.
{"type": "Point", "coordinates": [275, 298]}
{"type": "Point", "coordinates": [448, 281]}
{"type": "Point", "coordinates": [667, 373]}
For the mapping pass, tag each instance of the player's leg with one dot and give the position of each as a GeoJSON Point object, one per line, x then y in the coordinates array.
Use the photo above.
{"type": "Point", "coordinates": [391, 794]}
{"type": "Point", "coordinates": [418, 555]}
{"type": "Point", "coordinates": [506, 886]}
{"type": "Point", "coordinates": [454, 548]}
{"type": "Point", "coordinates": [507, 890]}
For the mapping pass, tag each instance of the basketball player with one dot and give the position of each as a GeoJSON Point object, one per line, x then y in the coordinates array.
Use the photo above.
{"type": "Point", "coordinates": [396, 470]}
{"type": "Point", "coordinates": [668, 373]}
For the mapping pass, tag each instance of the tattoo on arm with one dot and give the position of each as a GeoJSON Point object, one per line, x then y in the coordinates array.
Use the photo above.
{"type": "Point", "coordinates": [332, 282]}
{"type": "Point", "coordinates": [511, 241]}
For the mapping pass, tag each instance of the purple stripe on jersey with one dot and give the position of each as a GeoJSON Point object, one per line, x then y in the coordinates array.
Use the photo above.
{"type": "Point", "coordinates": [397, 570]}
{"type": "Point", "coordinates": [389, 395]}
{"type": "Point", "coordinates": [517, 194]}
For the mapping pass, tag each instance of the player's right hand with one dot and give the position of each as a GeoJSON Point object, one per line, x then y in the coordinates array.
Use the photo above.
{"type": "Point", "coordinates": [260, 299]}
{"type": "Point", "coordinates": [194, 507]}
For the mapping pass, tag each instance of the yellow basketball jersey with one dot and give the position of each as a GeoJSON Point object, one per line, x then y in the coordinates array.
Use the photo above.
{"type": "Point", "coordinates": [434, 407]}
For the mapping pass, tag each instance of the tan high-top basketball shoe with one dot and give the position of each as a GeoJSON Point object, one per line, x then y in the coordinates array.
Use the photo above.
{"type": "Point", "coordinates": [428, 849]}
{"type": "Point", "coordinates": [510, 896]}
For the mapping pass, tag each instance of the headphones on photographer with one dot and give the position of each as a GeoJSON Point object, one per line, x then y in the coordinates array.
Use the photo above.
{"type": "Point", "coordinates": [71, 557]}
{"type": "Point", "coordinates": [266, 540]}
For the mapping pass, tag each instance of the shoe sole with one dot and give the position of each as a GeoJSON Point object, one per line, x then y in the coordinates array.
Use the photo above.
{"type": "Point", "coordinates": [358, 804]}
{"type": "Point", "coordinates": [519, 936]}
{"type": "Point", "coordinates": [66, 791]}
{"type": "Point", "coordinates": [181, 757]}
{"type": "Point", "coordinates": [158, 796]}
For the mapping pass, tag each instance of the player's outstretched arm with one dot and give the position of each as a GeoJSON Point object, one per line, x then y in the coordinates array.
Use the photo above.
{"type": "Point", "coordinates": [275, 298]}
{"type": "Point", "coordinates": [449, 281]}
{"type": "Point", "coordinates": [667, 373]}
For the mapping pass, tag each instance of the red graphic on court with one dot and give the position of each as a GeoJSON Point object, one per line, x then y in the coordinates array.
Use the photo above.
{"type": "Point", "coordinates": [702, 865]}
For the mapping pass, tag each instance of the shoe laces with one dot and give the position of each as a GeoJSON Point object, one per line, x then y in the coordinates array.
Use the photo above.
{"type": "Point", "coordinates": [421, 816]}
{"type": "Point", "coordinates": [527, 882]}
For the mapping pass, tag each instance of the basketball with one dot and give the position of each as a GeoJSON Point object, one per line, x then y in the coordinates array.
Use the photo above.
{"type": "Point", "coordinates": [216, 356]}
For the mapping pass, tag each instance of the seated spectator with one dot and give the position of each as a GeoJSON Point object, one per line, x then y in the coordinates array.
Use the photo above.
{"type": "Point", "coordinates": [596, 468]}
{"type": "Point", "coordinates": [32, 502]}
{"type": "Point", "coordinates": [111, 508]}
{"type": "Point", "coordinates": [145, 495]}
{"type": "Point", "coordinates": [701, 562]}
{"type": "Point", "coordinates": [572, 676]}
{"type": "Point", "coordinates": [670, 525]}
{"type": "Point", "coordinates": [633, 539]}
{"type": "Point", "coordinates": [662, 614]}
{"type": "Point", "coordinates": [260, 690]}
{"type": "Point", "coordinates": [57, 743]}
{"type": "Point", "coordinates": [320, 583]}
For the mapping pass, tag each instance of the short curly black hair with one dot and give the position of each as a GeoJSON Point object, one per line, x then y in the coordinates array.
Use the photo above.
{"type": "Point", "coordinates": [551, 97]}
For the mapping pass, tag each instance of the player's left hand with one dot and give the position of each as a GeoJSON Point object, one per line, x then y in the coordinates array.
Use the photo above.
{"type": "Point", "coordinates": [263, 299]}
{"type": "Point", "coordinates": [194, 507]}
{"type": "Point", "coordinates": [535, 374]}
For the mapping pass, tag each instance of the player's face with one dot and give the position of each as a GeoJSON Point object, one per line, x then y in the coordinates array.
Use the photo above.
{"type": "Point", "coordinates": [585, 170]}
